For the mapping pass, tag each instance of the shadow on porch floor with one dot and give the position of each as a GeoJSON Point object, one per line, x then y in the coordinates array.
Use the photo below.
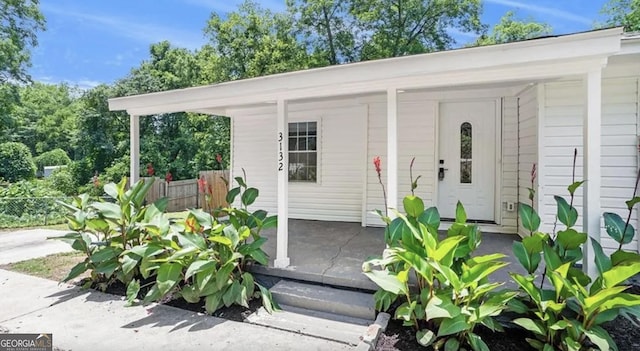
{"type": "Point", "coordinates": [332, 253]}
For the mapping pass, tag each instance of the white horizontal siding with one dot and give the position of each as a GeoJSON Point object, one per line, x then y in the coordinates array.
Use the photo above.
{"type": "Point", "coordinates": [509, 191]}
{"type": "Point", "coordinates": [527, 143]}
{"type": "Point", "coordinates": [564, 110]}
{"type": "Point", "coordinates": [338, 194]}
{"type": "Point", "coordinates": [416, 138]}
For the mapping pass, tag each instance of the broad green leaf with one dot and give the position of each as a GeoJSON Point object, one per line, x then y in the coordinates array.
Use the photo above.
{"type": "Point", "coordinates": [476, 343]}
{"type": "Point", "coordinates": [551, 258]}
{"type": "Point", "coordinates": [186, 251]}
{"type": "Point", "coordinates": [530, 262]}
{"type": "Point", "coordinates": [619, 274]}
{"type": "Point", "coordinates": [573, 187]}
{"type": "Point", "coordinates": [617, 228]}
{"type": "Point", "coordinates": [632, 202]}
{"type": "Point", "coordinates": [268, 302]}
{"type": "Point", "coordinates": [221, 240]}
{"type": "Point", "coordinates": [446, 247]}
{"type": "Point", "coordinates": [248, 283]}
{"type": "Point", "coordinates": [192, 240]}
{"type": "Point", "coordinates": [405, 311]}
{"type": "Point", "coordinates": [249, 196]}
{"type": "Point", "coordinates": [109, 210]}
{"type": "Point", "coordinates": [387, 281]}
{"type": "Point", "coordinates": [452, 344]}
{"type": "Point", "coordinates": [570, 239]}
{"type": "Point", "coordinates": [603, 262]}
{"type": "Point", "coordinates": [104, 254]}
{"type": "Point", "coordinates": [623, 257]}
{"type": "Point", "coordinates": [270, 222]}
{"type": "Point", "coordinates": [440, 308]}
{"type": "Point", "coordinates": [450, 326]}
{"type": "Point", "coordinates": [413, 206]}
{"type": "Point", "coordinates": [425, 337]}
{"type": "Point", "coordinates": [132, 291]}
{"type": "Point", "coordinates": [556, 278]}
{"type": "Point", "coordinates": [107, 267]}
{"type": "Point", "coordinates": [232, 194]}
{"type": "Point", "coordinates": [528, 217]}
{"type": "Point", "coordinates": [461, 214]}
{"type": "Point", "coordinates": [621, 300]}
{"type": "Point", "coordinates": [190, 294]}
{"type": "Point", "coordinates": [222, 276]}
{"type": "Point", "coordinates": [212, 302]}
{"type": "Point", "coordinates": [430, 217]}
{"type": "Point", "coordinates": [593, 303]}
{"type": "Point", "coordinates": [128, 263]}
{"type": "Point", "coordinates": [530, 325]}
{"type": "Point", "coordinates": [533, 243]}
{"type": "Point", "coordinates": [76, 271]}
{"type": "Point", "coordinates": [112, 190]}
{"type": "Point", "coordinates": [241, 182]}
{"type": "Point", "coordinates": [198, 266]}
{"type": "Point", "coordinates": [528, 286]}
{"type": "Point", "coordinates": [168, 277]}
{"type": "Point", "coordinates": [567, 214]}
{"type": "Point", "coordinates": [598, 340]}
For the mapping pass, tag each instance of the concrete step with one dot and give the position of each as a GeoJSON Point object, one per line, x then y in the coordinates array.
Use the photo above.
{"type": "Point", "coordinates": [325, 299]}
{"type": "Point", "coordinates": [323, 325]}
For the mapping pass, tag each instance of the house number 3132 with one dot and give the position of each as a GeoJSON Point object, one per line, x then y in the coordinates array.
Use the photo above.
{"type": "Point", "coordinates": [280, 153]}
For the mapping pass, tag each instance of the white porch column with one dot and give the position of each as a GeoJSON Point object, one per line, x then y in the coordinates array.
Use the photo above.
{"type": "Point", "coordinates": [134, 145]}
{"type": "Point", "coordinates": [591, 170]}
{"type": "Point", "coordinates": [282, 143]}
{"type": "Point", "coordinates": [392, 148]}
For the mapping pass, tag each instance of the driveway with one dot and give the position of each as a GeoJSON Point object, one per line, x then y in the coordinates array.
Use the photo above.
{"type": "Point", "coordinates": [25, 244]}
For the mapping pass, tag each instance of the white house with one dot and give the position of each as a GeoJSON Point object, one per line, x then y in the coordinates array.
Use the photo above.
{"type": "Point", "coordinates": [518, 104]}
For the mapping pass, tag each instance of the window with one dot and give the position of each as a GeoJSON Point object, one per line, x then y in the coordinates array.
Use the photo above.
{"type": "Point", "coordinates": [303, 151]}
{"type": "Point", "coordinates": [466, 143]}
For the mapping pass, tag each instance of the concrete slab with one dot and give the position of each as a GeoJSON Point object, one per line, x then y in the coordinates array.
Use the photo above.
{"type": "Point", "coordinates": [325, 299]}
{"type": "Point", "coordinates": [97, 321]}
{"type": "Point", "coordinates": [22, 245]}
{"type": "Point", "coordinates": [313, 323]}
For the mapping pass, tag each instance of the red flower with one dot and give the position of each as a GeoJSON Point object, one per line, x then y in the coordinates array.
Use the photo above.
{"type": "Point", "coordinates": [168, 177]}
{"type": "Point", "coordinates": [202, 184]}
{"type": "Point", "coordinates": [150, 170]}
{"type": "Point", "coordinates": [376, 163]}
{"type": "Point", "coordinates": [219, 158]}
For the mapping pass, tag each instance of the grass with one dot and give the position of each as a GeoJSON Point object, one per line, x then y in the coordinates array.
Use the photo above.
{"type": "Point", "coordinates": [53, 267]}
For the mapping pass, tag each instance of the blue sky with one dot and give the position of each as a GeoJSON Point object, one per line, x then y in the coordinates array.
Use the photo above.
{"type": "Point", "coordinates": [92, 42]}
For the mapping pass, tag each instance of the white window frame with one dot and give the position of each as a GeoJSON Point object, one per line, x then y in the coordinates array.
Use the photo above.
{"type": "Point", "coordinates": [318, 149]}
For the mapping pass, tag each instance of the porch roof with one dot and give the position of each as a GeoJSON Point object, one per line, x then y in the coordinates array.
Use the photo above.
{"type": "Point", "coordinates": [542, 58]}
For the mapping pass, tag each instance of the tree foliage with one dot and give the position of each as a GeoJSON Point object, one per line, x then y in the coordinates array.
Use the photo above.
{"type": "Point", "coordinates": [511, 29]}
{"type": "Point", "coordinates": [623, 13]}
{"type": "Point", "coordinates": [20, 21]}
{"type": "Point", "coordinates": [55, 157]}
{"type": "Point", "coordinates": [16, 162]}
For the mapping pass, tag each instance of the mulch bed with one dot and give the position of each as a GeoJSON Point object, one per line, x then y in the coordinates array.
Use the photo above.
{"type": "Point", "coordinates": [397, 337]}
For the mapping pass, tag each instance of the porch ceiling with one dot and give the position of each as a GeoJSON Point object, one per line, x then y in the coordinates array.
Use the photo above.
{"type": "Point", "coordinates": [544, 58]}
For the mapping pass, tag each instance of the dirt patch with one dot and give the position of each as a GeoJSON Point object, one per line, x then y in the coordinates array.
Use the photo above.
{"type": "Point", "coordinates": [54, 267]}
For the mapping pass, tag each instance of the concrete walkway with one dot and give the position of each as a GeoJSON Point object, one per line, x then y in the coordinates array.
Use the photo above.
{"type": "Point", "coordinates": [90, 320]}
{"type": "Point", "coordinates": [25, 244]}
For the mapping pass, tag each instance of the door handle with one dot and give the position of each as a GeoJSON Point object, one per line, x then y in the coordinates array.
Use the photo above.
{"type": "Point", "coordinates": [441, 173]}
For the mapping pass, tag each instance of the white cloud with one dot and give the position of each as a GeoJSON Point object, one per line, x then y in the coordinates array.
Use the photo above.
{"type": "Point", "coordinates": [222, 6]}
{"type": "Point", "coordinates": [134, 29]}
{"type": "Point", "coordinates": [82, 84]}
{"type": "Point", "coordinates": [545, 10]}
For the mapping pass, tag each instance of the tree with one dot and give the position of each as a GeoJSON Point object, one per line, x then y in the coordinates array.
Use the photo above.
{"type": "Point", "coordinates": [55, 157]}
{"type": "Point", "coordinates": [20, 21]}
{"type": "Point", "coordinates": [623, 13]}
{"type": "Point", "coordinates": [16, 162]}
{"type": "Point", "coordinates": [328, 28]}
{"type": "Point", "coordinates": [510, 29]}
{"type": "Point", "coordinates": [253, 42]}
{"type": "Point", "coordinates": [404, 27]}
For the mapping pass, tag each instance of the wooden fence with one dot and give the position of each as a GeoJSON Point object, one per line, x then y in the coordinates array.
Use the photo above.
{"type": "Point", "coordinates": [184, 194]}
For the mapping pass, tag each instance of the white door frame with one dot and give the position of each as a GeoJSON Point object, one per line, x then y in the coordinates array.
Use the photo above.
{"type": "Point", "coordinates": [498, 145]}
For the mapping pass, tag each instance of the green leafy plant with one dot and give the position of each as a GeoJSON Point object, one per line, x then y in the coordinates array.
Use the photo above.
{"type": "Point", "coordinates": [16, 162]}
{"type": "Point", "coordinates": [567, 315]}
{"type": "Point", "coordinates": [451, 294]}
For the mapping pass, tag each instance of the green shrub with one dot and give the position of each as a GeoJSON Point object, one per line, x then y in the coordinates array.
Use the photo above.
{"type": "Point", "coordinates": [55, 157]}
{"type": "Point", "coordinates": [567, 313]}
{"type": "Point", "coordinates": [28, 203]}
{"type": "Point", "coordinates": [63, 181]}
{"type": "Point", "coordinates": [452, 295]}
{"type": "Point", "coordinates": [118, 170]}
{"type": "Point", "coordinates": [195, 258]}
{"type": "Point", "coordinates": [16, 162]}
{"type": "Point", "coordinates": [81, 171]}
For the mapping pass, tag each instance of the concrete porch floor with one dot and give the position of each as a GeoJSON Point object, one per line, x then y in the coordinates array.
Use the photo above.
{"type": "Point", "coordinates": [332, 253]}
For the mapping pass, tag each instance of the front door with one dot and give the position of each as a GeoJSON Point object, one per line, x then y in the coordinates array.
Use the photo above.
{"type": "Point", "coordinates": [467, 163]}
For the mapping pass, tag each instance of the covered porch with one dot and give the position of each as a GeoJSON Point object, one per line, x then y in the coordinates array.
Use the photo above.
{"type": "Point", "coordinates": [332, 253]}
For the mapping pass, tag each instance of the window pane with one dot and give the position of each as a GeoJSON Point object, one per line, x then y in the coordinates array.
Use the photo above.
{"type": "Point", "coordinates": [311, 145]}
{"type": "Point", "coordinates": [293, 144]}
{"type": "Point", "coordinates": [466, 152]}
{"type": "Point", "coordinates": [293, 129]}
{"type": "Point", "coordinates": [302, 129]}
{"type": "Point", "coordinates": [311, 174]}
{"type": "Point", "coordinates": [313, 159]}
{"type": "Point", "coordinates": [302, 144]}
{"type": "Point", "coordinates": [312, 128]}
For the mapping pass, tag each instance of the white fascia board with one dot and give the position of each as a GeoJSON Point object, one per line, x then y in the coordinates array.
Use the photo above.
{"type": "Point", "coordinates": [602, 43]}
